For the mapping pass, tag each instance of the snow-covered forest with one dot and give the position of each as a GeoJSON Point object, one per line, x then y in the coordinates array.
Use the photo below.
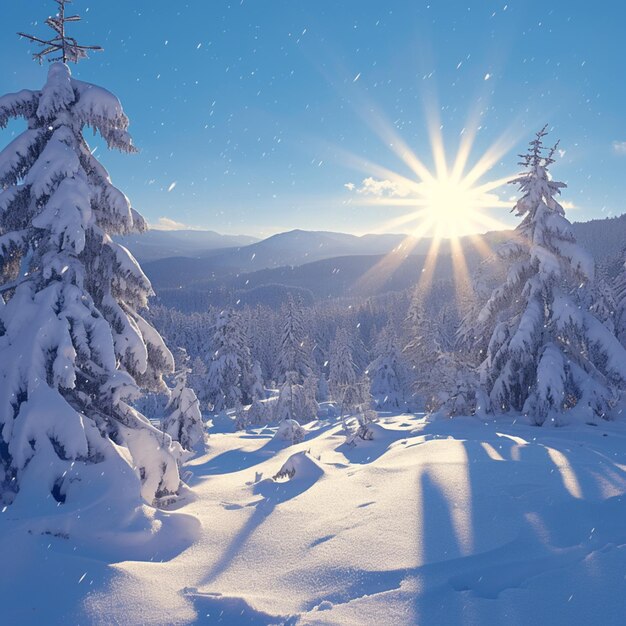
{"type": "Point", "coordinates": [308, 428]}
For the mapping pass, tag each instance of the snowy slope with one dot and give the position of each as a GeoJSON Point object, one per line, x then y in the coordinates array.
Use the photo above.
{"type": "Point", "coordinates": [455, 522]}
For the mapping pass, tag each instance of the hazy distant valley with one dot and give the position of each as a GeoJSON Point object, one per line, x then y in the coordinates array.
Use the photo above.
{"type": "Point", "coordinates": [192, 270]}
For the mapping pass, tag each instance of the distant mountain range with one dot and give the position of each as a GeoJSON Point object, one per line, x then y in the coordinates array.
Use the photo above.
{"type": "Point", "coordinates": [287, 250]}
{"type": "Point", "coordinates": [345, 276]}
{"type": "Point", "coordinates": [202, 267]}
{"type": "Point", "coordinates": [161, 244]}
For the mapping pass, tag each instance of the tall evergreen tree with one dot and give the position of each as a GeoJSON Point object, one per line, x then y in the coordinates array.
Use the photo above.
{"type": "Point", "coordinates": [343, 379]}
{"type": "Point", "coordinates": [183, 419]}
{"type": "Point", "coordinates": [388, 371]}
{"type": "Point", "coordinates": [264, 340]}
{"type": "Point", "coordinates": [197, 380]}
{"type": "Point", "coordinates": [293, 355]}
{"type": "Point", "coordinates": [73, 347]}
{"type": "Point", "coordinates": [225, 375]}
{"type": "Point", "coordinates": [296, 401]}
{"type": "Point", "coordinates": [619, 290]}
{"type": "Point", "coordinates": [547, 352]}
{"type": "Point", "coordinates": [232, 375]}
{"type": "Point", "coordinates": [252, 380]}
{"type": "Point", "coordinates": [298, 385]}
{"type": "Point", "coordinates": [421, 349]}
{"type": "Point", "coordinates": [602, 303]}
{"type": "Point", "coordinates": [459, 390]}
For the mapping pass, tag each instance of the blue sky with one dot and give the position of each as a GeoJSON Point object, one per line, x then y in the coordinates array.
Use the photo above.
{"type": "Point", "coordinates": [260, 112]}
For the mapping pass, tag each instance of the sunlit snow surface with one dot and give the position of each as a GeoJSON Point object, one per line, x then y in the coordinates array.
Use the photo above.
{"type": "Point", "coordinates": [450, 522]}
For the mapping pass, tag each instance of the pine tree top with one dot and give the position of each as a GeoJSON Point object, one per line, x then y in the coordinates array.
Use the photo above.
{"type": "Point", "coordinates": [536, 155]}
{"type": "Point", "coordinates": [68, 47]}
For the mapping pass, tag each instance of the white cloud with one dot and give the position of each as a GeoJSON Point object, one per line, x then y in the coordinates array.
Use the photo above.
{"type": "Point", "coordinates": [165, 223]}
{"type": "Point", "coordinates": [619, 147]}
{"type": "Point", "coordinates": [380, 188]}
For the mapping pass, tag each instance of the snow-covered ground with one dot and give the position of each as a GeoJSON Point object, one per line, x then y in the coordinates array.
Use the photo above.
{"type": "Point", "coordinates": [450, 522]}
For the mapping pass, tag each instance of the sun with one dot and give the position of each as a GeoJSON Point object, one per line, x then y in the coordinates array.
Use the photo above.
{"type": "Point", "coordinates": [450, 208]}
{"type": "Point", "coordinates": [442, 204]}
{"type": "Point", "coordinates": [450, 202]}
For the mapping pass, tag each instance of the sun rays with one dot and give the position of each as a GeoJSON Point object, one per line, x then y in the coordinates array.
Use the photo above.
{"type": "Point", "coordinates": [450, 202]}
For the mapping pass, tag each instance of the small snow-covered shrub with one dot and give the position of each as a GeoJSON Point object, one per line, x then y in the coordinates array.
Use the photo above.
{"type": "Point", "coordinates": [258, 413]}
{"type": "Point", "coordinates": [290, 430]}
{"type": "Point", "coordinates": [364, 419]}
{"type": "Point", "coordinates": [183, 419]}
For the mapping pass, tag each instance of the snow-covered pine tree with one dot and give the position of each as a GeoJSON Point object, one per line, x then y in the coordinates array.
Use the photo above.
{"type": "Point", "coordinates": [619, 291]}
{"type": "Point", "coordinates": [323, 392]}
{"type": "Point", "coordinates": [264, 336]}
{"type": "Point", "coordinates": [388, 371]}
{"type": "Point", "coordinates": [183, 419]}
{"type": "Point", "coordinates": [459, 391]}
{"type": "Point", "coordinates": [252, 379]}
{"type": "Point", "coordinates": [290, 430]}
{"type": "Point", "coordinates": [239, 416]}
{"type": "Point", "coordinates": [225, 376]}
{"type": "Point", "coordinates": [296, 401]}
{"type": "Point", "coordinates": [601, 302]}
{"type": "Point", "coordinates": [467, 339]}
{"type": "Point", "coordinates": [232, 377]}
{"type": "Point", "coordinates": [73, 347]}
{"type": "Point", "coordinates": [343, 379]}
{"type": "Point", "coordinates": [360, 354]}
{"type": "Point", "coordinates": [365, 415]}
{"type": "Point", "coordinates": [294, 371]}
{"type": "Point", "coordinates": [547, 353]}
{"type": "Point", "coordinates": [293, 355]}
{"type": "Point", "coordinates": [310, 404]}
{"type": "Point", "coordinates": [421, 349]}
{"type": "Point", "coordinates": [257, 414]}
{"type": "Point", "coordinates": [197, 380]}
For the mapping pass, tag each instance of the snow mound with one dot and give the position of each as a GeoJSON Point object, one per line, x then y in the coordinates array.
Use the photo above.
{"type": "Point", "coordinates": [299, 466]}
{"type": "Point", "coordinates": [298, 474]}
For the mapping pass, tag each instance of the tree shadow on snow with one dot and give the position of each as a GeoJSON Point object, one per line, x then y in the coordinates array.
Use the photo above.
{"type": "Point", "coordinates": [513, 514]}
{"type": "Point", "coordinates": [240, 459]}
{"type": "Point", "coordinates": [509, 528]}
{"type": "Point", "coordinates": [273, 492]}
{"type": "Point", "coordinates": [234, 461]}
